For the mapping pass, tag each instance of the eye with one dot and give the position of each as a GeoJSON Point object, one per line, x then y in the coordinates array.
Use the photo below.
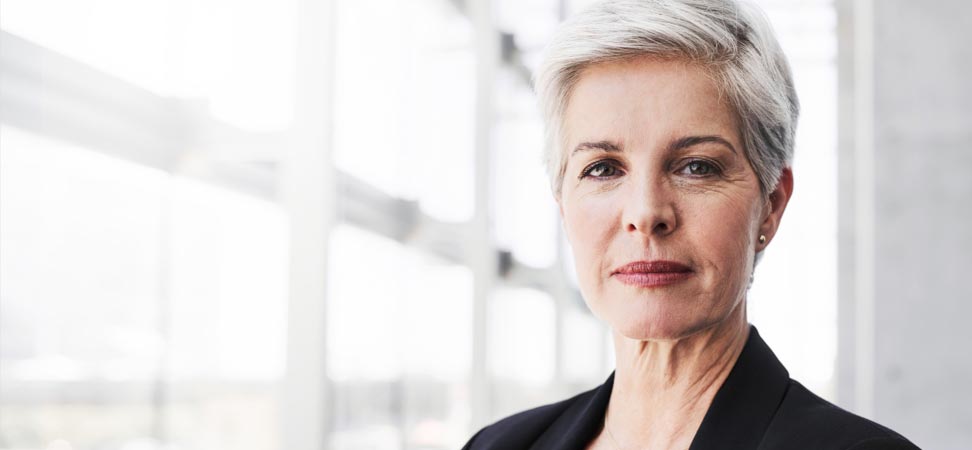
{"type": "Point", "coordinates": [700, 168]}
{"type": "Point", "coordinates": [600, 169]}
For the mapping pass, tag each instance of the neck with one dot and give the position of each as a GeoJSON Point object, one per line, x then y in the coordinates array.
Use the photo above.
{"type": "Point", "coordinates": [663, 388]}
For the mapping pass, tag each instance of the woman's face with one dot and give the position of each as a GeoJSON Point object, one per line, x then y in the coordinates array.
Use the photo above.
{"type": "Point", "coordinates": [661, 207]}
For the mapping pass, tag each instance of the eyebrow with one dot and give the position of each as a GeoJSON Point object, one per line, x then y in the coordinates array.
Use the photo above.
{"type": "Point", "coordinates": [678, 144]}
{"type": "Point", "coordinates": [689, 141]}
{"type": "Point", "coordinates": [604, 146]}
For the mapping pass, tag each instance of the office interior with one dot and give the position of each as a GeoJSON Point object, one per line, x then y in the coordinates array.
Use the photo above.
{"type": "Point", "coordinates": [325, 224]}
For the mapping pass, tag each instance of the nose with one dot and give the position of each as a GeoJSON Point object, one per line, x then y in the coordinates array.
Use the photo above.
{"type": "Point", "coordinates": [650, 209]}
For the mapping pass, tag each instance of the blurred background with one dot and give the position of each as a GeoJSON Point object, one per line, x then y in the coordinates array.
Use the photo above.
{"type": "Point", "coordinates": [324, 224]}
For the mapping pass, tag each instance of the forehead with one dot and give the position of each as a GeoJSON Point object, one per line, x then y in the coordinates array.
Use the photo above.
{"type": "Point", "coordinates": [646, 98]}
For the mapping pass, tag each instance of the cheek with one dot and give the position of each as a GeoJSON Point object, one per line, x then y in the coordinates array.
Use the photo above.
{"type": "Point", "coordinates": [725, 234]}
{"type": "Point", "coordinates": [589, 225]}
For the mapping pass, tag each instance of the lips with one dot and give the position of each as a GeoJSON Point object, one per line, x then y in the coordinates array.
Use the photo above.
{"type": "Point", "coordinates": [653, 273]}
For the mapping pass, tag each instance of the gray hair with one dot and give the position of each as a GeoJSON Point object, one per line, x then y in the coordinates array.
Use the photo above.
{"type": "Point", "coordinates": [732, 40]}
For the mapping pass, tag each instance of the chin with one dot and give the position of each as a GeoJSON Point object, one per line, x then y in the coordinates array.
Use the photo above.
{"type": "Point", "coordinates": [660, 319]}
{"type": "Point", "coordinates": [656, 328]}
{"type": "Point", "coordinates": [669, 317]}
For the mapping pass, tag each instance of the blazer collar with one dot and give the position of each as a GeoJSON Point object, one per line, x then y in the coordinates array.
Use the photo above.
{"type": "Point", "coordinates": [737, 418]}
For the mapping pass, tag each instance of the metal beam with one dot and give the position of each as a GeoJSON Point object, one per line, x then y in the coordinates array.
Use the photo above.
{"type": "Point", "coordinates": [52, 95]}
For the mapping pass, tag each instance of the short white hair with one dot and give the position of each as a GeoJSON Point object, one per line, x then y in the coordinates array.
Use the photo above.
{"type": "Point", "coordinates": [730, 39]}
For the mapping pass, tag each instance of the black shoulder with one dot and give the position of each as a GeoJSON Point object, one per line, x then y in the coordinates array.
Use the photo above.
{"type": "Point", "coordinates": [522, 429]}
{"type": "Point", "coordinates": [804, 420]}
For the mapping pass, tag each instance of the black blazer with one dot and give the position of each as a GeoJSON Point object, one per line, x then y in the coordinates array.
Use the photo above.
{"type": "Point", "coordinates": [757, 407]}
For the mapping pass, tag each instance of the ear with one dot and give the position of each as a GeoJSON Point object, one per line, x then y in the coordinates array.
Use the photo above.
{"type": "Point", "coordinates": [776, 204]}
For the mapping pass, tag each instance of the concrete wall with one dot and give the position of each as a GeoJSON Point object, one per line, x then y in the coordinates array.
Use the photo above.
{"type": "Point", "coordinates": [908, 285]}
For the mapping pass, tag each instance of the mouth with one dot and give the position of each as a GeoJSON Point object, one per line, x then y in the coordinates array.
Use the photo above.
{"type": "Point", "coordinates": [648, 274]}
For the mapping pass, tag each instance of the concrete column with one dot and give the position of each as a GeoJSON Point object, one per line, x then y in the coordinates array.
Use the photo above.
{"type": "Point", "coordinates": [906, 217]}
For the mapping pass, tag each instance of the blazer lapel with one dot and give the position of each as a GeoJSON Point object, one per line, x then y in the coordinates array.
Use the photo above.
{"type": "Point", "coordinates": [746, 403]}
{"type": "Point", "coordinates": [578, 425]}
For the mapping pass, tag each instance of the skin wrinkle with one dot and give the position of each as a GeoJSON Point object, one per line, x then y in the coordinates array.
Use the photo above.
{"type": "Point", "coordinates": [713, 71]}
{"type": "Point", "coordinates": [647, 119]}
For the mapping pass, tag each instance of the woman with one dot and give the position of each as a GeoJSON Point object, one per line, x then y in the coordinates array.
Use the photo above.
{"type": "Point", "coordinates": [670, 131]}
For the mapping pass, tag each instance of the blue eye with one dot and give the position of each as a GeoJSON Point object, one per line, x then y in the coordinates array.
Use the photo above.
{"type": "Point", "coordinates": [600, 169]}
{"type": "Point", "coordinates": [700, 168]}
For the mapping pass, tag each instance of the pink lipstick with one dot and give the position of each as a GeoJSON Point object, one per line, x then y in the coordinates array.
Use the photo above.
{"type": "Point", "coordinates": [652, 273]}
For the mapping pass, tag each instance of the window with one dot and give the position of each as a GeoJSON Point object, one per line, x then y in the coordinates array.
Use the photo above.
{"type": "Point", "coordinates": [138, 306]}
{"type": "Point", "coordinates": [399, 330]}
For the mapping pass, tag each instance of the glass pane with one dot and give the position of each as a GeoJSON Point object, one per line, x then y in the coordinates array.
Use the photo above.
{"type": "Point", "coordinates": [407, 125]}
{"type": "Point", "coordinates": [584, 337]}
{"type": "Point", "coordinates": [237, 58]}
{"type": "Point", "coordinates": [81, 331]}
{"type": "Point", "coordinates": [138, 309]}
{"type": "Point", "coordinates": [521, 335]}
{"type": "Point", "coordinates": [525, 212]}
{"type": "Point", "coordinates": [228, 284]}
{"type": "Point", "coordinates": [399, 340]}
{"type": "Point", "coordinates": [522, 349]}
{"type": "Point", "coordinates": [227, 318]}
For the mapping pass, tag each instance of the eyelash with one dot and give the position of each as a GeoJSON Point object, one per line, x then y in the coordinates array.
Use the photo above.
{"type": "Point", "coordinates": [714, 168]}
{"type": "Point", "coordinates": [610, 164]}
